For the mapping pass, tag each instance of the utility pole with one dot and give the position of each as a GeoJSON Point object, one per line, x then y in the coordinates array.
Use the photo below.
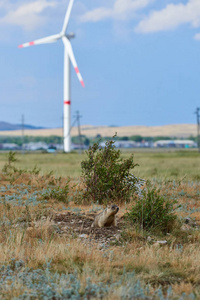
{"type": "Point", "coordinates": [77, 120]}
{"type": "Point", "coordinates": [79, 129]}
{"type": "Point", "coordinates": [197, 112]}
{"type": "Point", "coordinates": [22, 134]}
{"type": "Point", "coordinates": [63, 131]}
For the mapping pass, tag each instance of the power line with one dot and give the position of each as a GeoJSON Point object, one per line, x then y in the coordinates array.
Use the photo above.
{"type": "Point", "coordinates": [22, 134]}
{"type": "Point", "coordinates": [79, 129]}
{"type": "Point", "coordinates": [197, 112]}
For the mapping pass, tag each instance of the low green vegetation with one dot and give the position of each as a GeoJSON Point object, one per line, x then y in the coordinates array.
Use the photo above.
{"type": "Point", "coordinates": [162, 164]}
{"type": "Point", "coordinates": [153, 212]}
{"type": "Point", "coordinates": [56, 192]}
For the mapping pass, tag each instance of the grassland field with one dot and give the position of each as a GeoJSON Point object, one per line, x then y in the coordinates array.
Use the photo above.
{"type": "Point", "coordinates": [152, 163]}
{"type": "Point", "coordinates": [47, 248]}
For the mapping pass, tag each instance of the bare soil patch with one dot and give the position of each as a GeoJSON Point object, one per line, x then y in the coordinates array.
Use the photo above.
{"type": "Point", "coordinates": [80, 226]}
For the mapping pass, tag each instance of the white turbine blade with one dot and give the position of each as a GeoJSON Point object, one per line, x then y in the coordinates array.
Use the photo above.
{"type": "Point", "coordinates": [66, 21]}
{"type": "Point", "coordinates": [70, 52]}
{"type": "Point", "coordinates": [49, 39]}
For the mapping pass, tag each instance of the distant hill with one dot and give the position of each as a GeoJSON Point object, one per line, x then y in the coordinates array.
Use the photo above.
{"type": "Point", "coordinates": [175, 130]}
{"type": "Point", "coordinates": [4, 126]}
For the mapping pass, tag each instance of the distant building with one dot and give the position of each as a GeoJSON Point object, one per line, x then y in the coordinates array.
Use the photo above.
{"type": "Point", "coordinates": [9, 146]}
{"type": "Point", "coordinates": [78, 147]}
{"type": "Point", "coordinates": [35, 146]}
{"type": "Point", "coordinates": [59, 147]}
{"type": "Point", "coordinates": [129, 144]}
{"type": "Point", "coordinates": [126, 144]}
{"type": "Point", "coordinates": [175, 144]}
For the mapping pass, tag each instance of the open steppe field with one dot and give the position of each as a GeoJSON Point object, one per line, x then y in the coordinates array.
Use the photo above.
{"type": "Point", "coordinates": [48, 249]}
{"type": "Point", "coordinates": [163, 164]}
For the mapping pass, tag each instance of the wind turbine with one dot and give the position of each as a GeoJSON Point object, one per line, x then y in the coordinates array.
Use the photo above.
{"type": "Point", "coordinates": [68, 56]}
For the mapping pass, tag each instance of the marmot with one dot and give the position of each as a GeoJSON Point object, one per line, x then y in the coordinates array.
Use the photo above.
{"type": "Point", "coordinates": [107, 217]}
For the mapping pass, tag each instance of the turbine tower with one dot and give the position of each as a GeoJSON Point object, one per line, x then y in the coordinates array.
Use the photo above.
{"type": "Point", "coordinates": [68, 56]}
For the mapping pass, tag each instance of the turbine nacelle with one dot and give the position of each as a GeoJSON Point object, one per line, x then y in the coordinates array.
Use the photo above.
{"type": "Point", "coordinates": [70, 35]}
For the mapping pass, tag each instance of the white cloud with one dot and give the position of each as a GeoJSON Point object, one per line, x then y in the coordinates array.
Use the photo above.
{"type": "Point", "coordinates": [3, 3]}
{"type": "Point", "coordinates": [171, 17]}
{"type": "Point", "coordinates": [121, 10]}
{"type": "Point", "coordinates": [96, 15]}
{"type": "Point", "coordinates": [27, 15]}
{"type": "Point", "coordinates": [197, 37]}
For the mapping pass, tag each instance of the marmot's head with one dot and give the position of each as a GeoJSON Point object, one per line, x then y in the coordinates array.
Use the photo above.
{"type": "Point", "coordinates": [113, 209]}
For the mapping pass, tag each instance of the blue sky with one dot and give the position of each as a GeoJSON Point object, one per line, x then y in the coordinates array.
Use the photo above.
{"type": "Point", "coordinates": [140, 61]}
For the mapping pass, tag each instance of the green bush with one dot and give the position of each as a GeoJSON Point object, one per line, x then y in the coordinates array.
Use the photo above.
{"type": "Point", "coordinates": [153, 212]}
{"type": "Point", "coordinates": [106, 175]}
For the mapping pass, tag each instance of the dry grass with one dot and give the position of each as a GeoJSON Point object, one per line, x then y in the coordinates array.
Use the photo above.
{"type": "Point", "coordinates": [175, 130]}
{"type": "Point", "coordinates": [155, 265]}
{"type": "Point", "coordinates": [29, 233]}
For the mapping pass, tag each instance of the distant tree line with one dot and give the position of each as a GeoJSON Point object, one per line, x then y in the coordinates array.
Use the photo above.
{"type": "Point", "coordinates": [28, 139]}
{"type": "Point", "coordinates": [136, 138]}
{"type": "Point", "coordinates": [53, 139]}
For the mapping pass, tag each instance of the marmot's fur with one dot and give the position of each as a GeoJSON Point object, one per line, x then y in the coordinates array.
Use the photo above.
{"type": "Point", "coordinates": [107, 217]}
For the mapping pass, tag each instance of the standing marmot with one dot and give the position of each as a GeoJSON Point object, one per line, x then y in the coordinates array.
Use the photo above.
{"type": "Point", "coordinates": [107, 217]}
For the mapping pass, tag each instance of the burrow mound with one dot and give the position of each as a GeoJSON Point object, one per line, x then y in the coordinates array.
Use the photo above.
{"type": "Point", "coordinates": [80, 226]}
